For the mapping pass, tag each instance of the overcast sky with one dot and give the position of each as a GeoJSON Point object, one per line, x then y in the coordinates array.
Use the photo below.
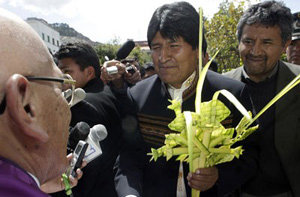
{"type": "Point", "coordinates": [105, 20]}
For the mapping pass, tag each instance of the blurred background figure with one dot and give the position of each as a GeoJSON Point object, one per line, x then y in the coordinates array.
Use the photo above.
{"type": "Point", "coordinates": [128, 68]}
{"type": "Point", "coordinates": [214, 66]}
{"type": "Point", "coordinates": [293, 50]}
{"type": "Point", "coordinates": [149, 70]}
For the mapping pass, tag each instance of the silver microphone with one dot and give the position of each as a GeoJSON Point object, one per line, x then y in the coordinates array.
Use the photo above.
{"type": "Point", "coordinates": [79, 95]}
{"type": "Point", "coordinates": [67, 93]}
{"type": "Point", "coordinates": [97, 134]}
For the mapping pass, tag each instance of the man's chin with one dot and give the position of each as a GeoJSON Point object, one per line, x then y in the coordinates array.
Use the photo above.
{"type": "Point", "coordinates": [166, 77]}
{"type": "Point", "coordinates": [167, 80]}
{"type": "Point", "coordinates": [254, 71]}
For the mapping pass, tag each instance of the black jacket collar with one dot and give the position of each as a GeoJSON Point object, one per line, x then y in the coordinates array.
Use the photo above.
{"type": "Point", "coordinates": [94, 85]}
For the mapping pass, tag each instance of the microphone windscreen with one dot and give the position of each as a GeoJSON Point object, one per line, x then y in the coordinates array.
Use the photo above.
{"type": "Point", "coordinates": [98, 132]}
{"type": "Point", "coordinates": [67, 93]}
{"type": "Point", "coordinates": [125, 50]}
{"type": "Point", "coordinates": [79, 95]}
{"type": "Point", "coordinates": [79, 132]}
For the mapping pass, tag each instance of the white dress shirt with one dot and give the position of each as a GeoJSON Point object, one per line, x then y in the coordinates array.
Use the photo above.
{"type": "Point", "coordinates": [177, 93]}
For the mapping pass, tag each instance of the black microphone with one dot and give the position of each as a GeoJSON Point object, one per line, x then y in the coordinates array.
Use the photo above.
{"type": "Point", "coordinates": [122, 53]}
{"type": "Point", "coordinates": [125, 50]}
{"type": "Point", "coordinates": [79, 132]}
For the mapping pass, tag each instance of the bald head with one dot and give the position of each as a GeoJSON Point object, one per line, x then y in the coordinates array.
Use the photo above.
{"type": "Point", "coordinates": [35, 120]}
{"type": "Point", "coordinates": [22, 50]}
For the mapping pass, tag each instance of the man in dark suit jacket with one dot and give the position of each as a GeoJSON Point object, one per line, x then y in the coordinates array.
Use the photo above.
{"type": "Point", "coordinates": [81, 62]}
{"type": "Point", "coordinates": [173, 38]}
{"type": "Point", "coordinates": [264, 32]}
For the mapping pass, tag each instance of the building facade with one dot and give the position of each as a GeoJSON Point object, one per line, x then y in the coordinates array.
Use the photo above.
{"type": "Point", "coordinates": [143, 46]}
{"type": "Point", "coordinates": [50, 36]}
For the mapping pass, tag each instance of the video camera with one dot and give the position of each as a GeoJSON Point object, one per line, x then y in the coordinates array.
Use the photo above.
{"type": "Point", "coordinates": [129, 63]}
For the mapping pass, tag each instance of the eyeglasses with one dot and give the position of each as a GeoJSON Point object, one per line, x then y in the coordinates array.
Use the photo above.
{"type": "Point", "coordinates": [66, 81]}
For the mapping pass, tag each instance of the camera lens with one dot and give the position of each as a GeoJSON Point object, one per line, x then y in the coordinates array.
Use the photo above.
{"type": "Point", "coordinates": [112, 70]}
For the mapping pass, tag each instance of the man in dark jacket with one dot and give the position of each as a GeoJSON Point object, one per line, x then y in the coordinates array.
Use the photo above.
{"type": "Point", "coordinates": [173, 38]}
{"type": "Point", "coordinates": [81, 62]}
{"type": "Point", "coordinates": [264, 32]}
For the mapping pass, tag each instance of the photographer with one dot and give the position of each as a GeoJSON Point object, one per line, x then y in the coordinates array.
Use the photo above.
{"type": "Point", "coordinates": [149, 70]}
{"type": "Point", "coordinates": [127, 68]}
{"type": "Point", "coordinates": [133, 69]}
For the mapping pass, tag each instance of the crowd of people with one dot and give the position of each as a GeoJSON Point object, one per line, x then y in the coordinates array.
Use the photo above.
{"type": "Point", "coordinates": [35, 116]}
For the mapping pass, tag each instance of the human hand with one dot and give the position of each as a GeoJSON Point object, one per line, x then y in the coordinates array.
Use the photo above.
{"type": "Point", "coordinates": [132, 78]}
{"type": "Point", "coordinates": [203, 178]}
{"type": "Point", "coordinates": [56, 184]}
{"type": "Point", "coordinates": [116, 78]}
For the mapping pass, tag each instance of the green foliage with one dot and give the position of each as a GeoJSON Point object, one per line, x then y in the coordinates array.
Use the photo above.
{"type": "Point", "coordinates": [142, 56]}
{"type": "Point", "coordinates": [283, 57]}
{"type": "Point", "coordinates": [110, 50]}
{"type": "Point", "coordinates": [221, 141]}
{"type": "Point", "coordinates": [221, 34]}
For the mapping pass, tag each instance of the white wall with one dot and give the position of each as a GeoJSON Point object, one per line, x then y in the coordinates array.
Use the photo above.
{"type": "Point", "coordinates": [46, 32]}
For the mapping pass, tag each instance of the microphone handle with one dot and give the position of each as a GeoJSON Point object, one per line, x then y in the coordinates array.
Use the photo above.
{"type": "Point", "coordinates": [93, 150]}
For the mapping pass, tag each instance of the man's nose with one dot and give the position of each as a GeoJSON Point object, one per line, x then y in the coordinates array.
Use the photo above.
{"type": "Point", "coordinates": [164, 55]}
{"type": "Point", "coordinates": [257, 49]}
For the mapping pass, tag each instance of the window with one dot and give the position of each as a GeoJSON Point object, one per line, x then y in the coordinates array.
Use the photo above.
{"type": "Point", "coordinates": [43, 36]}
{"type": "Point", "coordinates": [57, 43]}
{"type": "Point", "coordinates": [48, 38]}
{"type": "Point", "coordinates": [53, 41]}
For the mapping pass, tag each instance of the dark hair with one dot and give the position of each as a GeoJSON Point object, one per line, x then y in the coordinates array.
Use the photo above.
{"type": "Point", "coordinates": [270, 14]}
{"type": "Point", "coordinates": [174, 20]}
{"type": "Point", "coordinates": [148, 66]}
{"type": "Point", "coordinates": [83, 54]}
{"type": "Point", "coordinates": [214, 66]}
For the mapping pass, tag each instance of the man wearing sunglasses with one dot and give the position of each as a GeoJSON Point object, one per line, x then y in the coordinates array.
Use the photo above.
{"type": "Point", "coordinates": [34, 116]}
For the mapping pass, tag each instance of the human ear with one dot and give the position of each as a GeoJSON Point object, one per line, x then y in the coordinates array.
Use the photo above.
{"type": "Point", "coordinates": [90, 72]}
{"type": "Point", "coordinates": [205, 58]}
{"type": "Point", "coordinates": [21, 108]}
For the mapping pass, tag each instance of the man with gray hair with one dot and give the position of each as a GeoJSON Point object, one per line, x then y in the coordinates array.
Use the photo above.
{"type": "Point", "coordinates": [264, 32]}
